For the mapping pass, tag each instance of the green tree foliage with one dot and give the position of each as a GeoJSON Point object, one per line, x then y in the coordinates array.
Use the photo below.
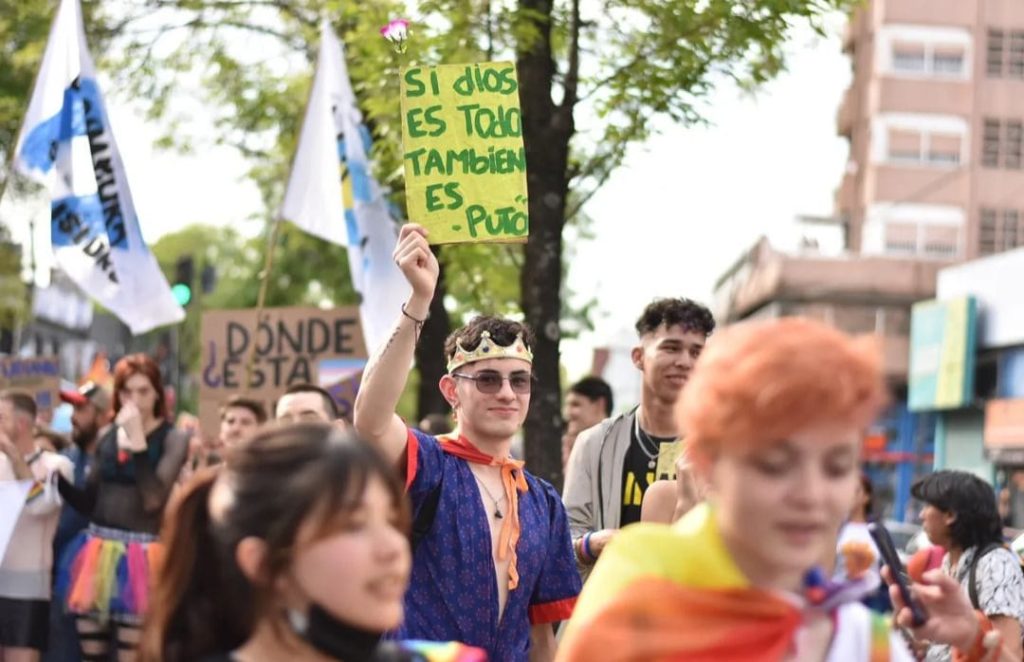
{"type": "Point", "coordinates": [593, 80]}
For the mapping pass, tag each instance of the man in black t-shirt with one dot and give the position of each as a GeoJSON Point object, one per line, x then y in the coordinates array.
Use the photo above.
{"type": "Point", "coordinates": [612, 464]}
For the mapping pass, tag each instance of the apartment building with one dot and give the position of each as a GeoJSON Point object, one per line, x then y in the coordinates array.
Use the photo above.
{"type": "Point", "coordinates": [935, 120]}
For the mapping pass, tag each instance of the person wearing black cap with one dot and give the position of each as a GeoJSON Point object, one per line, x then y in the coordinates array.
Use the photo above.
{"type": "Point", "coordinates": [91, 414]}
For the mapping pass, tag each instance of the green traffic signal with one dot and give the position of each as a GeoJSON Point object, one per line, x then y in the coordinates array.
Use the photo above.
{"type": "Point", "coordinates": [182, 293]}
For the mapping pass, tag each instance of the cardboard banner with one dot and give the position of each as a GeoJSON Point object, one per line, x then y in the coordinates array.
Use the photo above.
{"type": "Point", "coordinates": [293, 346]}
{"type": "Point", "coordinates": [38, 376]}
{"type": "Point", "coordinates": [465, 164]}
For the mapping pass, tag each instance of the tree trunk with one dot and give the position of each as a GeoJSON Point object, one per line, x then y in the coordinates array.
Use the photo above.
{"type": "Point", "coordinates": [430, 358]}
{"type": "Point", "coordinates": [547, 129]}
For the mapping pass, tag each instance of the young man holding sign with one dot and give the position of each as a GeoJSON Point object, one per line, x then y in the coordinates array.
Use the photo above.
{"type": "Point", "coordinates": [493, 564]}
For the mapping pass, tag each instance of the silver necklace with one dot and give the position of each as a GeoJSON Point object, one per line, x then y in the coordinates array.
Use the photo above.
{"type": "Point", "coordinates": [642, 437]}
{"type": "Point", "coordinates": [497, 511]}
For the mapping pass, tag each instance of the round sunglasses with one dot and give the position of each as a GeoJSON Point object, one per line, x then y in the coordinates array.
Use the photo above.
{"type": "Point", "coordinates": [489, 383]}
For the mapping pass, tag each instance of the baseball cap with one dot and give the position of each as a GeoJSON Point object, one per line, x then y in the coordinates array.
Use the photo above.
{"type": "Point", "coordinates": [88, 392]}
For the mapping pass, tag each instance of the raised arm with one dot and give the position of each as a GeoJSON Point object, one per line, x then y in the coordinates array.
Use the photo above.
{"type": "Point", "coordinates": [388, 368]}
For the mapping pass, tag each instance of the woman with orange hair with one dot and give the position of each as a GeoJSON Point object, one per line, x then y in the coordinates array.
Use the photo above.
{"type": "Point", "coordinates": [773, 415]}
{"type": "Point", "coordinates": [104, 574]}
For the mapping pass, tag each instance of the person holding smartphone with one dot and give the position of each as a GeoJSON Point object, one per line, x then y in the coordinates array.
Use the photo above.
{"type": "Point", "coordinates": [774, 413]}
{"type": "Point", "coordinates": [960, 514]}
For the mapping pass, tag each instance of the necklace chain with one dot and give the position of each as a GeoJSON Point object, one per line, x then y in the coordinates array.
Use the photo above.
{"type": "Point", "coordinates": [497, 511]}
{"type": "Point", "coordinates": [643, 437]}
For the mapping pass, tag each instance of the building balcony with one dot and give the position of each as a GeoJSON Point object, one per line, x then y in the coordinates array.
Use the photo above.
{"type": "Point", "coordinates": [948, 13]}
{"type": "Point", "coordinates": [938, 96]}
{"type": "Point", "coordinates": [846, 195]}
{"type": "Point", "coordinates": [845, 115]}
{"type": "Point", "coordinates": [921, 185]}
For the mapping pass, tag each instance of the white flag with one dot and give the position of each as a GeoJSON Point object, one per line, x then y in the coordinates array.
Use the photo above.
{"type": "Point", "coordinates": [332, 194]}
{"type": "Point", "coordinates": [67, 144]}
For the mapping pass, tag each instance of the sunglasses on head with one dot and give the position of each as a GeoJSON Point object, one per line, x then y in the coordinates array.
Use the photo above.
{"type": "Point", "coordinates": [489, 382]}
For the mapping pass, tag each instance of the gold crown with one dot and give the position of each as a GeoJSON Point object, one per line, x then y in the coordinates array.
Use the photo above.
{"type": "Point", "coordinates": [488, 349]}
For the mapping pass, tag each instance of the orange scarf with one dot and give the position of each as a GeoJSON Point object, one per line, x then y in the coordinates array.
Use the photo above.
{"type": "Point", "coordinates": [655, 620]}
{"type": "Point", "coordinates": [512, 480]}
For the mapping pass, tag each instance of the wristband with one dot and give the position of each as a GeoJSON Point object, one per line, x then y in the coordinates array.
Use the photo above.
{"type": "Point", "coordinates": [586, 547]}
{"type": "Point", "coordinates": [421, 322]}
{"type": "Point", "coordinates": [985, 643]}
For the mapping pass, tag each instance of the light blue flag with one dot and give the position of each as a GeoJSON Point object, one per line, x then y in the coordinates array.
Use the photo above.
{"type": "Point", "coordinates": [67, 144]}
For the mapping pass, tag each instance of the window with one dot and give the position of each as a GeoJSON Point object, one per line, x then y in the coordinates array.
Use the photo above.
{"type": "Point", "coordinates": [1010, 234]}
{"type": "Point", "coordinates": [1015, 66]}
{"type": "Point", "coordinates": [994, 59]}
{"type": "Point", "coordinates": [944, 148]}
{"type": "Point", "coordinates": [909, 145]}
{"type": "Point", "coordinates": [904, 145]}
{"type": "Point", "coordinates": [901, 238]}
{"type": "Point", "coordinates": [941, 241]}
{"type": "Point", "coordinates": [908, 58]}
{"type": "Point", "coordinates": [924, 58]}
{"type": "Point", "coordinates": [990, 144]}
{"type": "Point", "coordinates": [1014, 139]}
{"type": "Point", "coordinates": [947, 61]}
{"type": "Point", "coordinates": [1005, 54]}
{"type": "Point", "coordinates": [987, 235]}
{"type": "Point", "coordinates": [1000, 230]}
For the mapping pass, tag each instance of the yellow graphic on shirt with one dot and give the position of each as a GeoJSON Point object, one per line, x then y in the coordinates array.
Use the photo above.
{"type": "Point", "coordinates": [667, 454]}
{"type": "Point", "coordinates": [633, 495]}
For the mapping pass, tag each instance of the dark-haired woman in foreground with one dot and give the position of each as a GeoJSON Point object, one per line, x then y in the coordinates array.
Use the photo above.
{"type": "Point", "coordinates": [295, 549]}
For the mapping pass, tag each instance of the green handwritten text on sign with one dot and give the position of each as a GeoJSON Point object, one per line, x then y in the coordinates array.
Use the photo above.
{"type": "Point", "coordinates": [465, 165]}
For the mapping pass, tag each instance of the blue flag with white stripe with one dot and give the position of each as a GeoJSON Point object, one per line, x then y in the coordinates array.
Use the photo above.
{"type": "Point", "coordinates": [67, 144]}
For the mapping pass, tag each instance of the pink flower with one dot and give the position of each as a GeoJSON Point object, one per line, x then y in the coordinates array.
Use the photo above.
{"type": "Point", "coordinates": [396, 32]}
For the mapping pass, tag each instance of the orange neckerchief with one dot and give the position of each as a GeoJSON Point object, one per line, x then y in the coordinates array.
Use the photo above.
{"type": "Point", "coordinates": [512, 480]}
{"type": "Point", "coordinates": [655, 620]}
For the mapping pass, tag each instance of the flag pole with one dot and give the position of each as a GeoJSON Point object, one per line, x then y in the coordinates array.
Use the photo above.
{"type": "Point", "coordinates": [268, 265]}
{"type": "Point", "coordinates": [261, 299]}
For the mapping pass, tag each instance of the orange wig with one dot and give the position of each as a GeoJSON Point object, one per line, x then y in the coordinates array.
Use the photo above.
{"type": "Point", "coordinates": [761, 382]}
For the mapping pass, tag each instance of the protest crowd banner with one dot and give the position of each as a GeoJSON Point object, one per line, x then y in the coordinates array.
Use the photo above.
{"type": "Point", "coordinates": [465, 164]}
{"type": "Point", "coordinates": [289, 346]}
{"type": "Point", "coordinates": [38, 376]}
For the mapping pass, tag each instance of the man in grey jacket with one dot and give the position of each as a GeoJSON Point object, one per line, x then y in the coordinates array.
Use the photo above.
{"type": "Point", "coordinates": [613, 463]}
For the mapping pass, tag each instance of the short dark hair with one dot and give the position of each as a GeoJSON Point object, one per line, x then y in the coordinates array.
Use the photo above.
{"type": "Point", "coordinates": [503, 332]}
{"type": "Point", "coordinates": [680, 311]}
{"type": "Point", "coordinates": [21, 402]}
{"type": "Point", "coordinates": [971, 499]}
{"type": "Point", "coordinates": [59, 441]}
{"type": "Point", "coordinates": [330, 406]}
{"type": "Point", "coordinates": [255, 406]}
{"type": "Point", "coordinates": [593, 388]}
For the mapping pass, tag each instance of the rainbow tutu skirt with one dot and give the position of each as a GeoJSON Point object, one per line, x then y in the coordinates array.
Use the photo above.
{"type": "Point", "coordinates": [106, 573]}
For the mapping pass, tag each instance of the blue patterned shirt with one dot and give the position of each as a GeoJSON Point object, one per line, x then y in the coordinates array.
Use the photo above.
{"type": "Point", "coordinates": [453, 594]}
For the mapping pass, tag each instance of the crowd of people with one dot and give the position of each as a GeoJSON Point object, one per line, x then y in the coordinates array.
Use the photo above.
{"type": "Point", "coordinates": [724, 517]}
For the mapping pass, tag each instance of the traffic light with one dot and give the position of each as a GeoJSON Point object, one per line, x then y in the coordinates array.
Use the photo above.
{"type": "Point", "coordinates": [184, 276]}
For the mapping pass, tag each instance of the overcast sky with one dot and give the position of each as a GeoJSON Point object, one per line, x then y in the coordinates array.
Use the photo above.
{"type": "Point", "coordinates": [669, 222]}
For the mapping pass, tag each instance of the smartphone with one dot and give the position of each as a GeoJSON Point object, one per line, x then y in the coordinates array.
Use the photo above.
{"type": "Point", "coordinates": [899, 574]}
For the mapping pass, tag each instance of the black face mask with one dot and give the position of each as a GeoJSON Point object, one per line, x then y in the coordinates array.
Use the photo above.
{"type": "Point", "coordinates": [333, 637]}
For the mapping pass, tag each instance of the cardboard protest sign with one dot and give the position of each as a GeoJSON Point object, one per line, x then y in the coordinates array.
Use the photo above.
{"type": "Point", "coordinates": [293, 346]}
{"type": "Point", "coordinates": [465, 164]}
{"type": "Point", "coordinates": [38, 376]}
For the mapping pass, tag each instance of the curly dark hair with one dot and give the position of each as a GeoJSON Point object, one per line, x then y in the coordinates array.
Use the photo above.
{"type": "Point", "coordinates": [971, 499]}
{"type": "Point", "coordinates": [681, 311]}
{"type": "Point", "coordinates": [503, 331]}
